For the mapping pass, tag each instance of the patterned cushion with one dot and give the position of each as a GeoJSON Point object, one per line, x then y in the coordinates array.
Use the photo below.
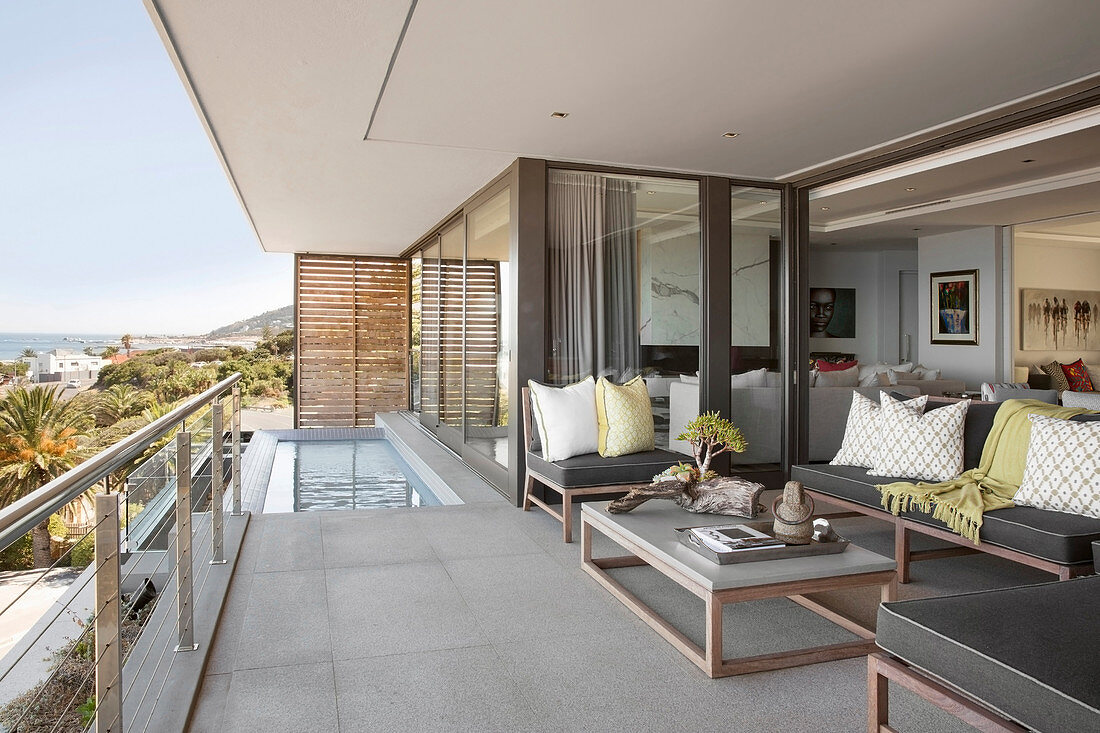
{"type": "Point", "coordinates": [918, 445]}
{"type": "Point", "coordinates": [625, 417]}
{"type": "Point", "coordinates": [861, 434]}
{"type": "Point", "coordinates": [835, 366]}
{"type": "Point", "coordinates": [1057, 377]}
{"type": "Point", "coordinates": [991, 390]}
{"type": "Point", "coordinates": [1077, 374]}
{"type": "Point", "coordinates": [1062, 473]}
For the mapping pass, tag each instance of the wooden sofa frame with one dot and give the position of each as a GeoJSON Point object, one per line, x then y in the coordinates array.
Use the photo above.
{"type": "Point", "coordinates": [882, 669]}
{"type": "Point", "coordinates": [904, 528]}
{"type": "Point", "coordinates": [565, 516]}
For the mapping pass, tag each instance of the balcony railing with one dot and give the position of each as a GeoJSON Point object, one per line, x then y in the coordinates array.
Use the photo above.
{"type": "Point", "coordinates": [158, 534]}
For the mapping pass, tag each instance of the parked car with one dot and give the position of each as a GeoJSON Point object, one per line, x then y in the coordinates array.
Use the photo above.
{"type": "Point", "coordinates": [73, 384]}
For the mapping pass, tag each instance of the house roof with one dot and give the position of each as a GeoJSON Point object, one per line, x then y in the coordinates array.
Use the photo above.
{"type": "Point", "coordinates": [354, 127]}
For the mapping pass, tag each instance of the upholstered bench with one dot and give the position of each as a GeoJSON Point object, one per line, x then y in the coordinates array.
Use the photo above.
{"type": "Point", "coordinates": [1030, 656]}
{"type": "Point", "coordinates": [1057, 542]}
{"type": "Point", "coordinates": [585, 475]}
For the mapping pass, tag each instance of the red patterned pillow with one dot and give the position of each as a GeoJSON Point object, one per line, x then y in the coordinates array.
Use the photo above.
{"type": "Point", "coordinates": [830, 366]}
{"type": "Point", "coordinates": [1078, 376]}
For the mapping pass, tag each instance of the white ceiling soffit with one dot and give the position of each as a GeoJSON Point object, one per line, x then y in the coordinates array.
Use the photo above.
{"type": "Point", "coordinates": [288, 90]}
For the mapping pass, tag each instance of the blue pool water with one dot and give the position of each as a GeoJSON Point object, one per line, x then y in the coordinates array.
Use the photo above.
{"type": "Point", "coordinates": [318, 475]}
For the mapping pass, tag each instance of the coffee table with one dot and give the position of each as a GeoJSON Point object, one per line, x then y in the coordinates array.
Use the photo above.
{"type": "Point", "coordinates": [648, 534]}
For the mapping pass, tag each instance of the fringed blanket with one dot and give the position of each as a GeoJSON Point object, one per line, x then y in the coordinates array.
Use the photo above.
{"type": "Point", "coordinates": [961, 502]}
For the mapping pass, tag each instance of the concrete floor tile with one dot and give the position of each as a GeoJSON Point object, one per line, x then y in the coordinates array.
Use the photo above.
{"type": "Point", "coordinates": [396, 609]}
{"type": "Point", "coordinates": [290, 542]}
{"type": "Point", "coordinates": [296, 698]}
{"type": "Point", "coordinates": [450, 690]}
{"type": "Point", "coordinates": [476, 531]}
{"type": "Point", "coordinates": [209, 713]}
{"type": "Point", "coordinates": [373, 538]}
{"type": "Point", "coordinates": [532, 595]}
{"type": "Point", "coordinates": [223, 652]}
{"type": "Point", "coordinates": [286, 621]}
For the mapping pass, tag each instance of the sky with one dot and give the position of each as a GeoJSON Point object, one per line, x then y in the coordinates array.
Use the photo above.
{"type": "Point", "coordinates": [115, 213]}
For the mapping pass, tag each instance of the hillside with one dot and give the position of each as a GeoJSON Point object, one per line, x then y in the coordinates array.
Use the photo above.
{"type": "Point", "coordinates": [278, 319]}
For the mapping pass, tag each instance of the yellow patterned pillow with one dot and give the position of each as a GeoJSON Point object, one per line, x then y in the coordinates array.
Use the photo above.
{"type": "Point", "coordinates": [625, 417]}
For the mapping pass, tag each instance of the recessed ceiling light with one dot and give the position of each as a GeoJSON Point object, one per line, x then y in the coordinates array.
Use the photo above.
{"type": "Point", "coordinates": [910, 188]}
{"type": "Point", "coordinates": [730, 134]}
{"type": "Point", "coordinates": [651, 192]}
{"type": "Point", "coordinates": [824, 208]}
{"type": "Point", "coordinates": [559, 115]}
{"type": "Point", "coordinates": [1028, 160]}
{"type": "Point", "coordinates": [763, 203]}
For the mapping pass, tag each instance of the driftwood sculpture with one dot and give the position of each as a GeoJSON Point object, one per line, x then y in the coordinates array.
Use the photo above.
{"type": "Point", "coordinates": [697, 488]}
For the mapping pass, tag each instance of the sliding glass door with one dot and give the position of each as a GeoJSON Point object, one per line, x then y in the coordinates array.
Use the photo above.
{"type": "Point", "coordinates": [462, 327]}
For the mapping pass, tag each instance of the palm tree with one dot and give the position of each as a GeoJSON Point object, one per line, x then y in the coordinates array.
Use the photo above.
{"type": "Point", "coordinates": [38, 441]}
{"type": "Point", "coordinates": [120, 402]}
{"type": "Point", "coordinates": [28, 353]}
{"type": "Point", "coordinates": [127, 340]}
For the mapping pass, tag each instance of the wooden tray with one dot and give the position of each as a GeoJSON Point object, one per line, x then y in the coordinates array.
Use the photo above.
{"type": "Point", "coordinates": [763, 553]}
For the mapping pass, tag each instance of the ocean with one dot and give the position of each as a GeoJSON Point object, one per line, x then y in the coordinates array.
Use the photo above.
{"type": "Point", "coordinates": [12, 344]}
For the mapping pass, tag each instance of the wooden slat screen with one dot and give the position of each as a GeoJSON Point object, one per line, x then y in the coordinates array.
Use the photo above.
{"type": "Point", "coordinates": [352, 330]}
{"type": "Point", "coordinates": [482, 343]}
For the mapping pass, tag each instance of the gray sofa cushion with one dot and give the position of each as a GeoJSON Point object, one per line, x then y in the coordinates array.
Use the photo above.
{"type": "Point", "coordinates": [1034, 659]}
{"type": "Point", "coordinates": [1062, 538]}
{"type": "Point", "coordinates": [592, 469]}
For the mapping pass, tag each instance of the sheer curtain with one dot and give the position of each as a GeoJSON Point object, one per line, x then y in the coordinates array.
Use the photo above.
{"type": "Point", "coordinates": [593, 276]}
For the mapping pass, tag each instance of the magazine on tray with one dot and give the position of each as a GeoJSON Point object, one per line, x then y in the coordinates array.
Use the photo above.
{"type": "Point", "coordinates": [734, 538]}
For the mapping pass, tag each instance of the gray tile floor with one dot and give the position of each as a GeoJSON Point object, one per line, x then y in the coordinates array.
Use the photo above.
{"type": "Point", "coordinates": [478, 618]}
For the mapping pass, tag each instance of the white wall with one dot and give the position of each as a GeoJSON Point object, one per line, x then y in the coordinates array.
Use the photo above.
{"type": "Point", "coordinates": [1043, 263]}
{"type": "Point", "coordinates": [874, 275]}
{"type": "Point", "coordinates": [966, 250]}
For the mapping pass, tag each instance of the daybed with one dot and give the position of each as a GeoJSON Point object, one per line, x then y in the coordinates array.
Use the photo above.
{"type": "Point", "coordinates": [997, 659]}
{"type": "Point", "coordinates": [1056, 542]}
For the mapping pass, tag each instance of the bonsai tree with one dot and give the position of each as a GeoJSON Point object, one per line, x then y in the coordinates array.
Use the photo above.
{"type": "Point", "coordinates": [710, 436]}
{"type": "Point", "coordinates": [697, 488]}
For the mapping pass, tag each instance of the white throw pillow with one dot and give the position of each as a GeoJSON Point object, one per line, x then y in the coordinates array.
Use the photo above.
{"type": "Point", "coordinates": [1062, 472]}
{"type": "Point", "coordinates": [844, 378]}
{"type": "Point", "coordinates": [861, 434]}
{"type": "Point", "coordinates": [689, 378]}
{"type": "Point", "coordinates": [917, 445]}
{"type": "Point", "coordinates": [567, 419]}
{"type": "Point", "coordinates": [754, 378]}
{"type": "Point", "coordinates": [930, 375]}
{"type": "Point", "coordinates": [773, 379]}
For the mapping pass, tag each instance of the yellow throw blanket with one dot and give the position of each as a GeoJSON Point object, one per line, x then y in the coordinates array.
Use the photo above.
{"type": "Point", "coordinates": [960, 503]}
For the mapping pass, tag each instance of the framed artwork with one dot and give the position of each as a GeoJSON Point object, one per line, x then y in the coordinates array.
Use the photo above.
{"type": "Point", "coordinates": [954, 297]}
{"type": "Point", "coordinates": [832, 313]}
{"type": "Point", "coordinates": [1053, 320]}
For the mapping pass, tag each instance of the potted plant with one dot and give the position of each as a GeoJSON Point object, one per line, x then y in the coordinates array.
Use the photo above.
{"type": "Point", "coordinates": [697, 488]}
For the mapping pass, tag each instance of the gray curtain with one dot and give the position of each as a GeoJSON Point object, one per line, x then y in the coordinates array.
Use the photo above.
{"type": "Point", "coordinates": [593, 276]}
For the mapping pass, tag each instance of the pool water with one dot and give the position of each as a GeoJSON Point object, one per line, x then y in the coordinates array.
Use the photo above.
{"type": "Point", "coordinates": [321, 475]}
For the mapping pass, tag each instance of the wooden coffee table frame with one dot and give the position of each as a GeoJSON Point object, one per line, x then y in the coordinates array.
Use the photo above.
{"type": "Point", "coordinates": [710, 659]}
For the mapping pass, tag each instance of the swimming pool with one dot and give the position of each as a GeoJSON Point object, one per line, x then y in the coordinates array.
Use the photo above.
{"type": "Point", "coordinates": [321, 475]}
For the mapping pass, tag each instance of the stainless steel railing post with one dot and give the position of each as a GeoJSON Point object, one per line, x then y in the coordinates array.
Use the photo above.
{"type": "Point", "coordinates": [108, 616]}
{"type": "Point", "coordinates": [185, 626]}
{"type": "Point", "coordinates": [217, 491]}
{"type": "Point", "coordinates": [237, 451]}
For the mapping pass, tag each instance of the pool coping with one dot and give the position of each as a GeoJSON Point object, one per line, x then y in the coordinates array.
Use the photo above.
{"type": "Point", "coordinates": [425, 456]}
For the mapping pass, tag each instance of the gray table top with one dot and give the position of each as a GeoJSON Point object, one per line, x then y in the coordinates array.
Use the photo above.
{"type": "Point", "coordinates": [651, 526]}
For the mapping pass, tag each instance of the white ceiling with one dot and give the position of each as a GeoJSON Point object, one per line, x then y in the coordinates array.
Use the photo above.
{"type": "Point", "coordinates": [288, 89]}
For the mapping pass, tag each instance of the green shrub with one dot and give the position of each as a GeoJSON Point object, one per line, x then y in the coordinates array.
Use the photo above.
{"type": "Point", "coordinates": [20, 556]}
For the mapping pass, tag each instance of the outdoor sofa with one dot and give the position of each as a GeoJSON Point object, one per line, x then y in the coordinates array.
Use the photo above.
{"type": "Point", "coordinates": [1056, 542]}
{"type": "Point", "coordinates": [586, 475]}
{"type": "Point", "coordinates": [1011, 659]}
